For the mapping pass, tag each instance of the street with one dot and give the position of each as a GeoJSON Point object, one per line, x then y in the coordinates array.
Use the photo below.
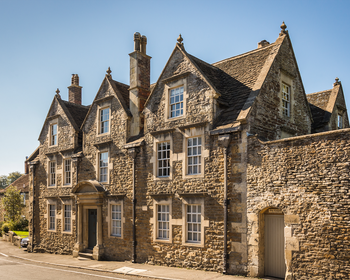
{"type": "Point", "coordinates": [15, 269]}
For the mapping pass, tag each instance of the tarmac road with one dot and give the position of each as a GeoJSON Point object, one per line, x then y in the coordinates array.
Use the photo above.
{"type": "Point", "coordinates": [20, 269]}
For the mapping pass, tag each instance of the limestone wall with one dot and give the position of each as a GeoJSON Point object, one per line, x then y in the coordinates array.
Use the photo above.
{"type": "Point", "coordinates": [307, 178]}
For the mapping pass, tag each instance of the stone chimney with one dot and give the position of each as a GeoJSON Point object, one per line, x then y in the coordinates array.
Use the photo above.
{"type": "Point", "coordinates": [263, 43]}
{"type": "Point", "coordinates": [139, 82]}
{"type": "Point", "coordinates": [26, 167]}
{"type": "Point", "coordinates": [74, 90]}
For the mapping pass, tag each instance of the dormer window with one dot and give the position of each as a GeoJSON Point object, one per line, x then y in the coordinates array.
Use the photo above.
{"type": "Point", "coordinates": [104, 120]}
{"type": "Point", "coordinates": [286, 100]}
{"type": "Point", "coordinates": [176, 102]}
{"type": "Point", "coordinates": [340, 121]}
{"type": "Point", "coordinates": [53, 134]}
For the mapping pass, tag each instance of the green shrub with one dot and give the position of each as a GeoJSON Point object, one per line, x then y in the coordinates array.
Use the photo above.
{"type": "Point", "coordinates": [21, 224]}
{"type": "Point", "coordinates": [5, 228]}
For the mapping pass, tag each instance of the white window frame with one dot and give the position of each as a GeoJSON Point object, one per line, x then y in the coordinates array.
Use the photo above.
{"type": "Point", "coordinates": [109, 217]}
{"type": "Point", "coordinates": [169, 86]}
{"type": "Point", "coordinates": [100, 168]}
{"type": "Point", "coordinates": [65, 171]}
{"type": "Point", "coordinates": [104, 126]}
{"type": "Point", "coordinates": [53, 139]}
{"type": "Point", "coordinates": [194, 155]}
{"type": "Point", "coordinates": [163, 221]}
{"type": "Point", "coordinates": [52, 166]}
{"type": "Point", "coordinates": [197, 201]}
{"type": "Point", "coordinates": [340, 121]}
{"type": "Point", "coordinates": [116, 216]}
{"type": "Point", "coordinates": [193, 223]}
{"type": "Point", "coordinates": [154, 220]}
{"type": "Point", "coordinates": [286, 99]}
{"type": "Point", "coordinates": [163, 159]}
{"type": "Point", "coordinates": [176, 102]}
{"type": "Point", "coordinates": [52, 217]}
{"type": "Point", "coordinates": [67, 219]}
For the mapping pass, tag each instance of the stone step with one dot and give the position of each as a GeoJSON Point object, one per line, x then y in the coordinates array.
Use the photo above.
{"type": "Point", "coordinates": [85, 255]}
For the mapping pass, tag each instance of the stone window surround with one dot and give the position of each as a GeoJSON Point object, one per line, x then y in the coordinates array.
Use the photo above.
{"type": "Point", "coordinates": [67, 202]}
{"type": "Point", "coordinates": [115, 201]}
{"type": "Point", "coordinates": [172, 222]}
{"type": "Point", "coordinates": [288, 80]}
{"type": "Point", "coordinates": [64, 171]}
{"type": "Point", "coordinates": [204, 223]}
{"type": "Point", "coordinates": [51, 124]}
{"type": "Point", "coordinates": [97, 165]}
{"type": "Point", "coordinates": [100, 107]}
{"type": "Point", "coordinates": [190, 133]}
{"type": "Point", "coordinates": [167, 88]}
{"type": "Point", "coordinates": [47, 215]}
{"type": "Point", "coordinates": [49, 172]}
{"type": "Point", "coordinates": [167, 137]}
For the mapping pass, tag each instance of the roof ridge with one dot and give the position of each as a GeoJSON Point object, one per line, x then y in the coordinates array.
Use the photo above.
{"type": "Point", "coordinates": [208, 64]}
{"type": "Point", "coordinates": [121, 83]}
{"type": "Point", "coordinates": [75, 104]}
{"type": "Point", "coordinates": [243, 54]}
{"type": "Point", "coordinates": [319, 91]}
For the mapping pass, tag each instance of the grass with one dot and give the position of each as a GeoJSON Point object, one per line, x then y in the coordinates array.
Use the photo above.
{"type": "Point", "coordinates": [22, 234]}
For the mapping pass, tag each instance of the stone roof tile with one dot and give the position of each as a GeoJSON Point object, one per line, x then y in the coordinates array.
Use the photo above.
{"type": "Point", "coordinates": [318, 104]}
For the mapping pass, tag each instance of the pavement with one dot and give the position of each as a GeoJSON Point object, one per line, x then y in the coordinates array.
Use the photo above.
{"type": "Point", "coordinates": [118, 267]}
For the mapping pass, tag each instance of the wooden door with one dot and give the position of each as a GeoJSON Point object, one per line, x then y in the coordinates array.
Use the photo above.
{"type": "Point", "coordinates": [274, 246]}
{"type": "Point", "coordinates": [92, 239]}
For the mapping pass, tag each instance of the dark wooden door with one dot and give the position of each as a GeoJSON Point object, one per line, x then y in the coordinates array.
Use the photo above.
{"type": "Point", "coordinates": [92, 228]}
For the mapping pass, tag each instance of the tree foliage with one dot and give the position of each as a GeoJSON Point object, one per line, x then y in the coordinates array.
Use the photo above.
{"type": "Point", "coordinates": [13, 204]}
{"type": "Point", "coordinates": [7, 180]}
{"type": "Point", "coordinates": [13, 176]}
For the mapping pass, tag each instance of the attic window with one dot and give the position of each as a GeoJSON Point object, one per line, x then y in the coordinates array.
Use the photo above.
{"type": "Point", "coordinates": [286, 100]}
{"type": "Point", "coordinates": [104, 120]}
{"type": "Point", "coordinates": [340, 121]}
{"type": "Point", "coordinates": [176, 102]}
{"type": "Point", "coordinates": [53, 134]}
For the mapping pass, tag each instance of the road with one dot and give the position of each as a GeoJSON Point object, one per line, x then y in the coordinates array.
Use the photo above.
{"type": "Point", "coordinates": [14, 269]}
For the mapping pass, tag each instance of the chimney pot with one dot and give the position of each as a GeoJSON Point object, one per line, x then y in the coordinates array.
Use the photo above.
{"type": "Point", "coordinates": [137, 39]}
{"type": "Point", "coordinates": [263, 43]}
{"type": "Point", "coordinates": [143, 44]}
{"type": "Point", "coordinates": [26, 168]}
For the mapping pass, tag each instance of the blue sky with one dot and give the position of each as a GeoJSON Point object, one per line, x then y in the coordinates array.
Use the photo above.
{"type": "Point", "coordinates": [43, 42]}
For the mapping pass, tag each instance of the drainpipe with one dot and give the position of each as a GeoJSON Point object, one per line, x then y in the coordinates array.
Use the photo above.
{"type": "Point", "coordinates": [32, 167]}
{"type": "Point", "coordinates": [76, 161]}
{"type": "Point", "coordinates": [225, 141]}
{"type": "Point", "coordinates": [132, 153]}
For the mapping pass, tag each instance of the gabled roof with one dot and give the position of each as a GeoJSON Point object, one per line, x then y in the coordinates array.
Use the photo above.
{"type": "Point", "coordinates": [236, 80]}
{"type": "Point", "coordinates": [121, 92]}
{"type": "Point", "coordinates": [74, 112]}
{"type": "Point", "coordinates": [21, 184]}
{"type": "Point", "coordinates": [318, 104]}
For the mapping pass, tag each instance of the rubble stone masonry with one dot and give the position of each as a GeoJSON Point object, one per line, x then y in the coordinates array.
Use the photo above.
{"type": "Point", "coordinates": [307, 177]}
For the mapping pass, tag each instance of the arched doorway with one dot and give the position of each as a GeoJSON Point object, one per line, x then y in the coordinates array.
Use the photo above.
{"type": "Point", "coordinates": [274, 257]}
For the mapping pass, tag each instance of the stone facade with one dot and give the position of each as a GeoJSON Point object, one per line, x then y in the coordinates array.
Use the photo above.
{"type": "Point", "coordinates": [307, 178]}
{"type": "Point", "coordinates": [172, 174]}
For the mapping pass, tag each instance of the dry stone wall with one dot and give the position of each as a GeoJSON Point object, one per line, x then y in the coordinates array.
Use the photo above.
{"type": "Point", "coordinates": [307, 177]}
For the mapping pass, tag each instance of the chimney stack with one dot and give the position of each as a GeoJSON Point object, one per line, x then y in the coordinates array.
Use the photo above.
{"type": "Point", "coordinates": [74, 90]}
{"type": "Point", "coordinates": [139, 82]}
{"type": "Point", "coordinates": [263, 43]}
{"type": "Point", "coordinates": [26, 168]}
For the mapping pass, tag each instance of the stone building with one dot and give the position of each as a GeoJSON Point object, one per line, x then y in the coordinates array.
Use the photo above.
{"type": "Point", "coordinates": [213, 167]}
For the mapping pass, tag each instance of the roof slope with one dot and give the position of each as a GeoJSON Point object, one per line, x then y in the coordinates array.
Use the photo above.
{"type": "Point", "coordinates": [77, 112]}
{"type": "Point", "coordinates": [318, 104]}
{"type": "Point", "coordinates": [21, 184]}
{"type": "Point", "coordinates": [235, 78]}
